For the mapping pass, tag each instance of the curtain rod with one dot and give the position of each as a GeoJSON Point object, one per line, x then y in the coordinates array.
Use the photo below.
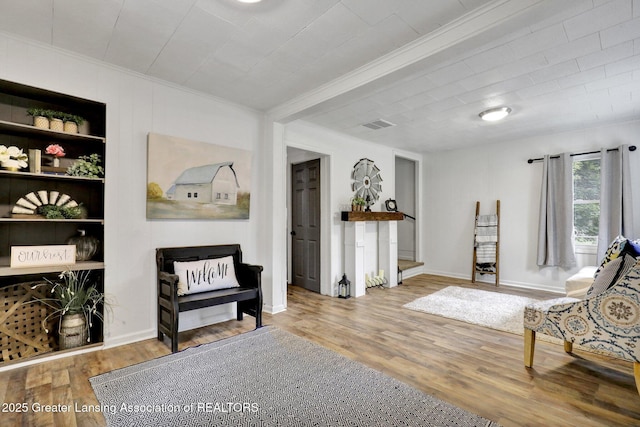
{"type": "Point", "coordinates": [631, 148]}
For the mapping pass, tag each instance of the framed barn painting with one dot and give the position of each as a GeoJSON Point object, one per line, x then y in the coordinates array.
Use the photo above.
{"type": "Point", "coordinates": [196, 180]}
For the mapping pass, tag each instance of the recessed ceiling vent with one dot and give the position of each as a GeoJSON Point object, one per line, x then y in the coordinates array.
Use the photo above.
{"type": "Point", "coordinates": [378, 124]}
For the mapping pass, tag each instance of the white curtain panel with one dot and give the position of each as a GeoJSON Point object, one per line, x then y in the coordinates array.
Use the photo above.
{"type": "Point", "coordinates": [555, 231]}
{"type": "Point", "coordinates": [616, 216]}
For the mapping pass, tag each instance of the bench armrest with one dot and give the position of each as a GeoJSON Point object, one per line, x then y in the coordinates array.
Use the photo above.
{"type": "Point", "coordinates": [168, 288]}
{"type": "Point", "coordinates": [249, 276]}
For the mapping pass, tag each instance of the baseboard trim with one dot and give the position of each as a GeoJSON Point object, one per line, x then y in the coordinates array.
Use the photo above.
{"type": "Point", "coordinates": [274, 309]}
{"type": "Point", "coordinates": [411, 272]}
{"type": "Point", "coordinates": [515, 284]}
{"type": "Point", "coordinates": [131, 338]}
{"type": "Point", "coordinates": [47, 357]}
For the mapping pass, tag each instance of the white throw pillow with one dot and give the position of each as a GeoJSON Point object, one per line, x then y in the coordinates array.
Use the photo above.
{"type": "Point", "coordinates": [205, 275]}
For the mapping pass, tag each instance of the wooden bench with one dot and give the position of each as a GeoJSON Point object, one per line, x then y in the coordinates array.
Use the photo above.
{"type": "Point", "coordinates": [248, 296]}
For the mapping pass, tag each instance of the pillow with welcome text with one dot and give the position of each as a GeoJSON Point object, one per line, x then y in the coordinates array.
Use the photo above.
{"type": "Point", "coordinates": [205, 275]}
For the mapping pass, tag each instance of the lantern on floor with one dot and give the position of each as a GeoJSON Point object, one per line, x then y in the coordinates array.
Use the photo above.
{"type": "Point", "coordinates": [344, 287]}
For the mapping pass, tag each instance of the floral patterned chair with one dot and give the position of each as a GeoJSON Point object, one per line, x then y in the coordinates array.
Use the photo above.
{"type": "Point", "coordinates": [608, 321]}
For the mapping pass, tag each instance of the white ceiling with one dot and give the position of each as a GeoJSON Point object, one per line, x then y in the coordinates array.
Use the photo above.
{"type": "Point", "coordinates": [427, 66]}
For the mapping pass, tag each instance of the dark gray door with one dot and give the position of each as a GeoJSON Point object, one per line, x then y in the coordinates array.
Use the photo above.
{"type": "Point", "coordinates": [305, 221]}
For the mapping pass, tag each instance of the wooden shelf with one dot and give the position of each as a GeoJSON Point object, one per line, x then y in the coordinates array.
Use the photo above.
{"type": "Point", "coordinates": [28, 130]}
{"type": "Point", "coordinates": [48, 176]}
{"type": "Point", "coordinates": [6, 271]}
{"type": "Point", "coordinates": [372, 216]}
{"type": "Point", "coordinates": [90, 221]}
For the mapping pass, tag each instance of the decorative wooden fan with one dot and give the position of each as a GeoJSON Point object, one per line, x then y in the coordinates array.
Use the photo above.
{"type": "Point", "coordinates": [29, 204]}
{"type": "Point", "coordinates": [366, 181]}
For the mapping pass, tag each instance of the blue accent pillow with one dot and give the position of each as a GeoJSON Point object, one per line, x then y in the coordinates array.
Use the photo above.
{"type": "Point", "coordinates": [635, 246]}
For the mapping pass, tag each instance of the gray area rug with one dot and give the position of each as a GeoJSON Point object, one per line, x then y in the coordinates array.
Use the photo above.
{"type": "Point", "coordinates": [267, 377]}
{"type": "Point", "coordinates": [494, 310]}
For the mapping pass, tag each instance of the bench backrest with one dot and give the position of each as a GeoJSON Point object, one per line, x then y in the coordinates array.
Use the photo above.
{"type": "Point", "coordinates": [166, 256]}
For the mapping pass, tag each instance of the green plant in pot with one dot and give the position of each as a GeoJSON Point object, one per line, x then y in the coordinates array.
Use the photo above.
{"type": "Point", "coordinates": [40, 117]}
{"type": "Point", "coordinates": [357, 204]}
{"type": "Point", "coordinates": [76, 299]}
{"type": "Point", "coordinates": [71, 122]}
{"type": "Point", "coordinates": [34, 112]}
{"type": "Point", "coordinates": [61, 212]}
{"type": "Point", "coordinates": [87, 166]}
{"type": "Point", "coordinates": [55, 120]}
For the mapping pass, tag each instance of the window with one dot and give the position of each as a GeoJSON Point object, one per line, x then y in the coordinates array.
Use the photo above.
{"type": "Point", "coordinates": [586, 201]}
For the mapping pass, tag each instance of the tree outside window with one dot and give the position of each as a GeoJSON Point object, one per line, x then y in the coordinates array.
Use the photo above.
{"type": "Point", "coordinates": [586, 201]}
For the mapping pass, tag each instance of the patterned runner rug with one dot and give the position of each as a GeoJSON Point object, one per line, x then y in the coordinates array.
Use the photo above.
{"type": "Point", "coordinates": [267, 377]}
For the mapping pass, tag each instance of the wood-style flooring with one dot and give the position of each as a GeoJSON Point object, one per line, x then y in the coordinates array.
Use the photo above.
{"type": "Point", "coordinates": [475, 368]}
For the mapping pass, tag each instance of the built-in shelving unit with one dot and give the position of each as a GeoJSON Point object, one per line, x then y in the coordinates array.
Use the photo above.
{"type": "Point", "coordinates": [16, 129]}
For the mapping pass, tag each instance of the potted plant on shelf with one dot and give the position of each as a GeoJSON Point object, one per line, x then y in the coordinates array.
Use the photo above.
{"type": "Point", "coordinates": [357, 204]}
{"type": "Point", "coordinates": [62, 212]}
{"type": "Point", "coordinates": [40, 117]}
{"type": "Point", "coordinates": [56, 120]}
{"type": "Point", "coordinates": [87, 166]}
{"type": "Point", "coordinates": [12, 158]}
{"type": "Point", "coordinates": [76, 299]}
{"type": "Point", "coordinates": [71, 123]}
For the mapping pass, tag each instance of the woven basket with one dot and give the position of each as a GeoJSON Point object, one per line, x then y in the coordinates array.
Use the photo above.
{"type": "Point", "coordinates": [56, 124]}
{"type": "Point", "coordinates": [70, 127]}
{"type": "Point", "coordinates": [21, 332]}
{"type": "Point", "coordinates": [41, 122]}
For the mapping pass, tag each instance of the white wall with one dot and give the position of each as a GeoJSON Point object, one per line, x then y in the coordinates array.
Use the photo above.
{"type": "Point", "coordinates": [406, 199]}
{"type": "Point", "coordinates": [341, 152]}
{"type": "Point", "coordinates": [455, 180]}
{"type": "Point", "coordinates": [137, 105]}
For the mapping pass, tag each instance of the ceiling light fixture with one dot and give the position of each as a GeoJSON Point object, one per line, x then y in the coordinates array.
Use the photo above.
{"type": "Point", "coordinates": [494, 114]}
{"type": "Point", "coordinates": [249, 1]}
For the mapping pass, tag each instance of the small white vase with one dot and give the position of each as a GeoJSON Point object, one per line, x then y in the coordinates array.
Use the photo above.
{"type": "Point", "coordinates": [56, 162]}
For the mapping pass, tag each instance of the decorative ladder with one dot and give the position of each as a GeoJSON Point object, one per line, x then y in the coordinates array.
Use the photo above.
{"type": "Point", "coordinates": [486, 244]}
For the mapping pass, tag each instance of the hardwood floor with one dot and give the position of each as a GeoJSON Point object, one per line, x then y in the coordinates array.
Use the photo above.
{"type": "Point", "coordinates": [475, 368]}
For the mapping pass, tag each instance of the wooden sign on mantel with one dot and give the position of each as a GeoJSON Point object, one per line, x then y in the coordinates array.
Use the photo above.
{"type": "Point", "coordinates": [42, 256]}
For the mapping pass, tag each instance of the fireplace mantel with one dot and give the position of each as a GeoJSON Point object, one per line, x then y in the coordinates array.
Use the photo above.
{"type": "Point", "coordinates": [370, 245]}
{"type": "Point", "coordinates": [371, 216]}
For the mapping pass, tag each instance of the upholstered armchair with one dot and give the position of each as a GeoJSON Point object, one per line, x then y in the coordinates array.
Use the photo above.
{"type": "Point", "coordinates": [608, 322]}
